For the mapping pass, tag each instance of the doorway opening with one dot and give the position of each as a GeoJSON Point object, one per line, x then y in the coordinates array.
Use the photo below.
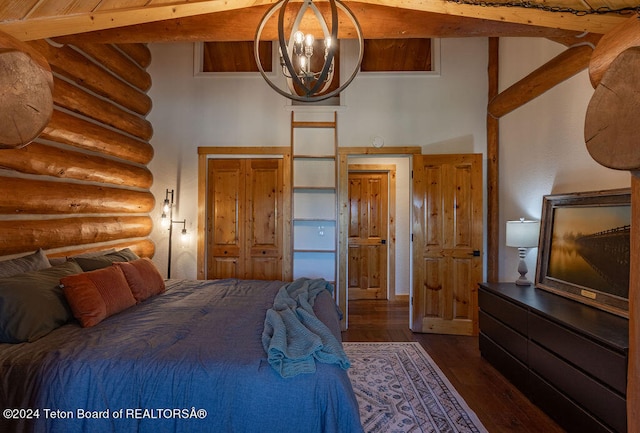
{"type": "Point", "coordinates": [377, 257]}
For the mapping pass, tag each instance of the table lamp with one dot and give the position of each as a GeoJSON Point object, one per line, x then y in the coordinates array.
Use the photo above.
{"type": "Point", "coordinates": [522, 235]}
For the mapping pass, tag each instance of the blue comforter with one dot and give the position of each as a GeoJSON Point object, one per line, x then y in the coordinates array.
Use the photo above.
{"type": "Point", "coordinates": [190, 360]}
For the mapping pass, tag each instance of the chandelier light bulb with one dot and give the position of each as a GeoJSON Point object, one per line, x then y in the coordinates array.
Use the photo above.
{"type": "Point", "coordinates": [165, 207]}
{"type": "Point", "coordinates": [308, 40]}
{"type": "Point", "coordinates": [298, 37]}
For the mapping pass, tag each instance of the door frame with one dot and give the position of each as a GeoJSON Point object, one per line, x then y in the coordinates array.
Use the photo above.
{"type": "Point", "coordinates": [343, 212]}
{"type": "Point", "coordinates": [390, 170]}
{"type": "Point", "coordinates": [210, 152]}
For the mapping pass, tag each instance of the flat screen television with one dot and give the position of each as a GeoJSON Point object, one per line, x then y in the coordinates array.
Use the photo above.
{"type": "Point", "coordinates": [584, 248]}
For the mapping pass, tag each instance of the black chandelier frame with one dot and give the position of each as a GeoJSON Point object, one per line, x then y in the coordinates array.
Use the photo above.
{"type": "Point", "coordinates": [310, 92]}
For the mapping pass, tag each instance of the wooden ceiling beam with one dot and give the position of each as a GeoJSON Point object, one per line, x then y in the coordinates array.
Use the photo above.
{"type": "Point", "coordinates": [377, 22]}
{"type": "Point", "coordinates": [61, 25]}
{"type": "Point", "coordinates": [625, 35]}
{"type": "Point", "coordinates": [103, 19]}
{"type": "Point", "coordinates": [565, 65]}
{"type": "Point", "coordinates": [591, 23]}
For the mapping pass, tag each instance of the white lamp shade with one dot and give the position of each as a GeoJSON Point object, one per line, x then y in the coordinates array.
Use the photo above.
{"type": "Point", "coordinates": [523, 234]}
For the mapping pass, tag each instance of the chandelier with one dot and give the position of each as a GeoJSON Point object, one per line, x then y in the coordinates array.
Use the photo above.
{"type": "Point", "coordinates": [300, 54]}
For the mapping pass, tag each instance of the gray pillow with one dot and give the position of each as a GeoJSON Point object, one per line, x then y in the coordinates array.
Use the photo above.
{"type": "Point", "coordinates": [95, 253]}
{"type": "Point", "coordinates": [33, 304]}
{"type": "Point", "coordinates": [59, 260]}
{"type": "Point", "coordinates": [95, 263]}
{"type": "Point", "coordinates": [31, 262]}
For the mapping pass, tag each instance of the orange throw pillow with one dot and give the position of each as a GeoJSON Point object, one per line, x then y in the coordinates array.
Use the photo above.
{"type": "Point", "coordinates": [143, 277]}
{"type": "Point", "coordinates": [93, 296]}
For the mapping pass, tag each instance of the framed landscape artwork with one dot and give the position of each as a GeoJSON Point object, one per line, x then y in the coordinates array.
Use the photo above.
{"type": "Point", "coordinates": [583, 252]}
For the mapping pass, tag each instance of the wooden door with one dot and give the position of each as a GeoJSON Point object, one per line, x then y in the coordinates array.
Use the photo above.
{"type": "Point", "coordinates": [447, 243]}
{"type": "Point", "coordinates": [264, 220]}
{"type": "Point", "coordinates": [368, 216]}
{"type": "Point", "coordinates": [225, 217]}
{"type": "Point", "coordinates": [244, 218]}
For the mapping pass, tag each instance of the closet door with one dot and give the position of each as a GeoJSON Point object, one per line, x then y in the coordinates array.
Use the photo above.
{"type": "Point", "coordinates": [225, 216]}
{"type": "Point", "coordinates": [263, 224]}
{"type": "Point", "coordinates": [244, 221]}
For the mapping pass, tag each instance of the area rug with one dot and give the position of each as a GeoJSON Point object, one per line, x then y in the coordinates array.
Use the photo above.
{"type": "Point", "coordinates": [400, 389]}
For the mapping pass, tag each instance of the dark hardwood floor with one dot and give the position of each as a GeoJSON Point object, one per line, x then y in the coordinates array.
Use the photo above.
{"type": "Point", "coordinates": [498, 404]}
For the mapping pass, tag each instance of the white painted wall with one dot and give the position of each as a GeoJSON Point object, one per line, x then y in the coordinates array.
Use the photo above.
{"type": "Point", "coordinates": [444, 113]}
{"type": "Point", "coordinates": [542, 143]}
{"type": "Point", "coordinates": [542, 148]}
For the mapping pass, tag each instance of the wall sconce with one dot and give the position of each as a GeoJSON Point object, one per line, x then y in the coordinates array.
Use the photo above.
{"type": "Point", "coordinates": [522, 235]}
{"type": "Point", "coordinates": [167, 221]}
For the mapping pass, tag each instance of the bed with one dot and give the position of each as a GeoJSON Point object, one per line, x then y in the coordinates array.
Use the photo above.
{"type": "Point", "coordinates": [194, 357]}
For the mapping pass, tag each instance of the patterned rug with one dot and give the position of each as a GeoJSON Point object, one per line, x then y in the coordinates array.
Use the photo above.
{"type": "Point", "coordinates": [400, 389]}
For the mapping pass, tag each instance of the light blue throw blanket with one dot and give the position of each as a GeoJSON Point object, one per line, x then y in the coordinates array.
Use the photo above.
{"type": "Point", "coordinates": [293, 337]}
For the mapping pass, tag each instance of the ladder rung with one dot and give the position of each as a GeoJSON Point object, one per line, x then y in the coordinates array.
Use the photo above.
{"type": "Point", "coordinates": [302, 124]}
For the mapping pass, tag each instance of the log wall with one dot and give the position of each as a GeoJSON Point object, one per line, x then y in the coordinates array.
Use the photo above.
{"type": "Point", "coordinates": [84, 185]}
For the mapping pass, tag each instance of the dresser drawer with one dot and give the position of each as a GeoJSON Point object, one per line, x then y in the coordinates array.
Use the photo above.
{"type": "Point", "coordinates": [567, 413]}
{"type": "Point", "coordinates": [510, 340]}
{"type": "Point", "coordinates": [608, 366]}
{"type": "Point", "coordinates": [503, 310]}
{"type": "Point", "coordinates": [515, 371]}
{"type": "Point", "coordinates": [601, 401]}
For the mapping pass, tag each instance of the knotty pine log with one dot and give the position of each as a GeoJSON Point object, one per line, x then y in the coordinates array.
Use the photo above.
{"type": "Point", "coordinates": [493, 170]}
{"type": "Point", "coordinates": [612, 44]}
{"type": "Point", "coordinates": [72, 64]}
{"type": "Point", "coordinates": [28, 235]}
{"type": "Point", "coordinates": [11, 43]}
{"type": "Point", "coordinates": [611, 125]}
{"type": "Point", "coordinates": [30, 196]}
{"type": "Point", "coordinates": [563, 66]}
{"type": "Point", "coordinates": [143, 248]}
{"type": "Point", "coordinates": [612, 136]}
{"type": "Point", "coordinates": [571, 40]}
{"type": "Point", "coordinates": [87, 122]}
{"type": "Point", "coordinates": [68, 129]}
{"type": "Point", "coordinates": [42, 159]}
{"type": "Point", "coordinates": [138, 52]}
{"type": "Point", "coordinates": [26, 84]}
{"type": "Point", "coordinates": [76, 99]}
{"type": "Point", "coordinates": [112, 59]}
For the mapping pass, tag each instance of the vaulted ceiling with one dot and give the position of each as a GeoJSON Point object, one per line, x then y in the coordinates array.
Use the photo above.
{"type": "Point", "coordinates": [224, 20]}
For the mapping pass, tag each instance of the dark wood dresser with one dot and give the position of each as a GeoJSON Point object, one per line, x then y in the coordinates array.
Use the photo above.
{"type": "Point", "coordinates": [568, 358]}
